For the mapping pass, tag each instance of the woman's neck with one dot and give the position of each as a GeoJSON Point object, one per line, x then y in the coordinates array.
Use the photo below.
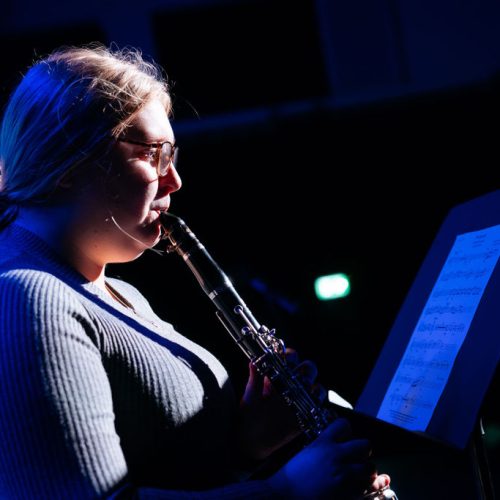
{"type": "Point", "coordinates": [56, 226]}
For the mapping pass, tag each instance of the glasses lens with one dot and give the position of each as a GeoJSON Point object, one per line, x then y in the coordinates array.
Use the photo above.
{"type": "Point", "coordinates": [168, 155]}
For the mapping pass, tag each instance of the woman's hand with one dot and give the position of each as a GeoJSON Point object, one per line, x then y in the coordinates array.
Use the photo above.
{"type": "Point", "coordinates": [330, 467]}
{"type": "Point", "coordinates": [266, 422]}
{"type": "Point", "coordinates": [380, 481]}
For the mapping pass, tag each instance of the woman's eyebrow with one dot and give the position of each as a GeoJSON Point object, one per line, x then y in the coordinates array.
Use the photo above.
{"type": "Point", "coordinates": [151, 140]}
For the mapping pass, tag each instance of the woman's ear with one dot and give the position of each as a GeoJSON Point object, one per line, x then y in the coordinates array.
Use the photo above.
{"type": "Point", "coordinates": [77, 176]}
{"type": "Point", "coordinates": [65, 182]}
{"type": "Point", "coordinates": [66, 179]}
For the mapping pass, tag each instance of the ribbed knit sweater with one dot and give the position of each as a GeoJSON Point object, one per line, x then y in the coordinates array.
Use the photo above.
{"type": "Point", "coordinates": [97, 398]}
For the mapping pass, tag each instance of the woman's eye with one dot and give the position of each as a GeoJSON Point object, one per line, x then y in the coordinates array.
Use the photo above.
{"type": "Point", "coordinates": [150, 154]}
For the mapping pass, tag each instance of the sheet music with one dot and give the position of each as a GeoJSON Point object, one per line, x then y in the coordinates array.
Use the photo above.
{"type": "Point", "coordinates": [441, 330]}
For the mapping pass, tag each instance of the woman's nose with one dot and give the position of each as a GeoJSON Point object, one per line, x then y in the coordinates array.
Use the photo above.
{"type": "Point", "coordinates": [170, 182]}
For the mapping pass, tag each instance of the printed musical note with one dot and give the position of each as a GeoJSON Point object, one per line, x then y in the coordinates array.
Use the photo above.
{"type": "Point", "coordinates": [426, 365]}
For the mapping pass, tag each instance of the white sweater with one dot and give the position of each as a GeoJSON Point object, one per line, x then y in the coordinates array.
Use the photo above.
{"type": "Point", "coordinates": [97, 398]}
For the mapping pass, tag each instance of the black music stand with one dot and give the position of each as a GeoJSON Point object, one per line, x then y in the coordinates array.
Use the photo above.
{"type": "Point", "coordinates": [443, 349]}
{"type": "Point", "coordinates": [480, 464]}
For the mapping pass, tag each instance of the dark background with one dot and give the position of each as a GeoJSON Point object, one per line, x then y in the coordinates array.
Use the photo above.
{"type": "Point", "coordinates": [316, 137]}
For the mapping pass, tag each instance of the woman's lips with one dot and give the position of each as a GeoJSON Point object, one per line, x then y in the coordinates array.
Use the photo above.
{"type": "Point", "coordinates": [152, 218]}
{"type": "Point", "coordinates": [162, 205]}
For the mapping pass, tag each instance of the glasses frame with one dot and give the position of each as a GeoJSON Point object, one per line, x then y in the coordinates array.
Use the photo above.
{"type": "Point", "coordinates": [158, 155]}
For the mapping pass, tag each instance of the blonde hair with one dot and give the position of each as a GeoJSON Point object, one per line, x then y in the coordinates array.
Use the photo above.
{"type": "Point", "coordinates": [63, 113]}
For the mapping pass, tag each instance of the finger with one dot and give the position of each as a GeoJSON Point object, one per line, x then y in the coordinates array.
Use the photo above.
{"type": "Point", "coordinates": [354, 477]}
{"type": "Point", "coordinates": [319, 393]}
{"type": "Point", "coordinates": [337, 431]}
{"type": "Point", "coordinates": [291, 356]}
{"type": "Point", "coordinates": [308, 371]}
{"type": "Point", "coordinates": [255, 384]}
{"type": "Point", "coordinates": [356, 449]}
{"type": "Point", "coordinates": [268, 388]}
{"type": "Point", "coordinates": [381, 481]}
{"type": "Point", "coordinates": [362, 471]}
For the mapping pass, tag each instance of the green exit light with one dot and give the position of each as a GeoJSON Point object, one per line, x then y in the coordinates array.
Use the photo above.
{"type": "Point", "coordinates": [333, 286]}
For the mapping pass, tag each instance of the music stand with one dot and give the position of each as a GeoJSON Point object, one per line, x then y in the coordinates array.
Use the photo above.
{"type": "Point", "coordinates": [442, 351]}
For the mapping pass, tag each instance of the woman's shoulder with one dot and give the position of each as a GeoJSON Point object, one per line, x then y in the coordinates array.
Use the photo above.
{"type": "Point", "coordinates": [28, 263]}
{"type": "Point", "coordinates": [27, 277]}
{"type": "Point", "coordinates": [32, 288]}
{"type": "Point", "coordinates": [38, 308]}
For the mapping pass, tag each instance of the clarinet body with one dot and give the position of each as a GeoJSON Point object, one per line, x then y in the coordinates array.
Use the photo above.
{"type": "Point", "coordinates": [260, 344]}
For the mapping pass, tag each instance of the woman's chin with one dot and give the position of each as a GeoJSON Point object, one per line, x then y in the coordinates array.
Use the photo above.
{"type": "Point", "coordinates": [135, 240]}
{"type": "Point", "coordinates": [150, 232]}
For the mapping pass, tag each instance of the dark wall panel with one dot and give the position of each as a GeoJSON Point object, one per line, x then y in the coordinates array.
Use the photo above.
{"type": "Point", "coordinates": [227, 57]}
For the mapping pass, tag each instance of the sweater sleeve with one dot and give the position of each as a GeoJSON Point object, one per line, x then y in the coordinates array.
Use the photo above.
{"type": "Point", "coordinates": [57, 425]}
{"type": "Point", "coordinates": [56, 412]}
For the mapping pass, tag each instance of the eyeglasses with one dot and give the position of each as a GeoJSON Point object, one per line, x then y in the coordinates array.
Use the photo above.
{"type": "Point", "coordinates": [162, 154]}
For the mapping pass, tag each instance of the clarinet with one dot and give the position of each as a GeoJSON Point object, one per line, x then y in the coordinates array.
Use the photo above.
{"type": "Point", "coordinates": [260, 344]}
